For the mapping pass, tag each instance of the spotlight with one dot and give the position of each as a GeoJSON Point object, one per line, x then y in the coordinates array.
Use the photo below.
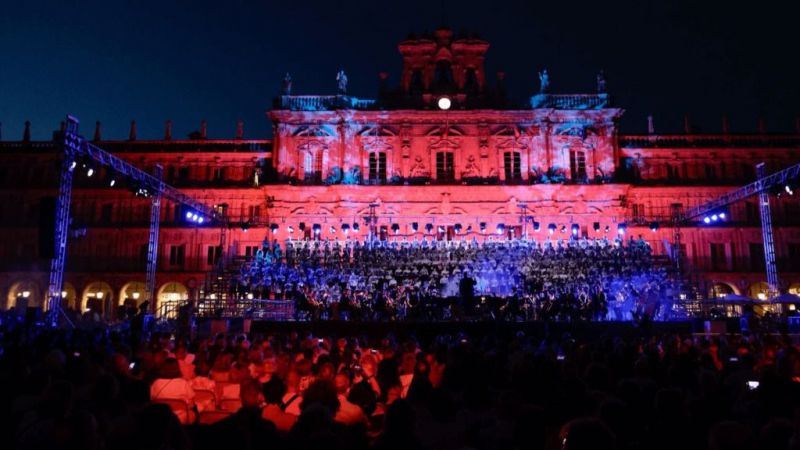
{"type": "Point", "coordinates": [551, 228]}
{"type": "Point", "coordinates": [653, 226]}
{"type": "Point", "coordinates": [596, 227]}
{"type": "Point", "coordinates": [396, 228]}
{"type": "Point", "coordinates": [73, 165]}
{"type": "Point", "coordinates": [189, 215]}
{"type": "Point", "coordinates": [195, 217]}
{"type": "Point", "coordinates": [444, 103]}
{"type": "Point", "coordinates": [536, 226]}
{"type": "Point", "coordinates": [483, 226]}
{"type": "Point", "coordinates": [89, 171]}
{"type": "Point", "coordinates": [608, 228]}
{"type": "Point", "coordinates": [457, 227]}
{"type": "Point", "coordinates": [722, 215]}
{"type": "Point", "coordinates": [706, 220]}
{"type": "Point", "coordinates": [501, 228]}
{"type": "Point", "coordinates": [575, 229]}
{"type": "Point", "coordinates": [201, 219]}
{"type": "Point", "coordinates": [714, 217]}
{"type": "Point", "coordinates": [273, 228]}
{"type": "Point", "coordinates": [245, 227]}
{"type": "Point", "coordinates": [414, 226]}
{"type": "Point", "coordinates": [112, 182]}
{"type": "Point", "coordinates": [316, 228]}
{"type": "Point", "coordinates": [621, 229]}
{"type": "Point", "coordinates": [345, 228]}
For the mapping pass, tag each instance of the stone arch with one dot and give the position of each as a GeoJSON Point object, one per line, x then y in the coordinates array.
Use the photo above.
{"type": "Point", "coordinates": [172, 292]}
{"type": "Point", "coordinates": [97, 296]}
{"type": "Point", "coordinates": [69, 296]}
{"type": "Point", "coordinates": [758, 290]}
{"type": "Point", "coordinates": [720, 289]}
{"type": "Point", "coordinates": [132, 293]}
{"type": "Point", "coordinates": [25, 293]}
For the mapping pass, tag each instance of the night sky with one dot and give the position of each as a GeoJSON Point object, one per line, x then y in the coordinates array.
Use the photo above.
{"type": "Point", "coordinates": [222, 61]}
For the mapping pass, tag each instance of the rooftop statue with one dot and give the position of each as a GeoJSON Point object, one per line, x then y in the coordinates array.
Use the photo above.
{"type": "Point", "coordinates": [341, 80]}
{"type": "Point", "coordinates": [544, 81]}
{"type": "Point", "coordinates": [286, 89]}
{"type": "Point", "coordinates": [601, 82]}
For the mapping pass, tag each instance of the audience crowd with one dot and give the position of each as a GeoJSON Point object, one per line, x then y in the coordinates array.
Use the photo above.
{"type": "Point", "coordinates": [518, 279]}
{"type": "Point", "coordinates": [107, 389]}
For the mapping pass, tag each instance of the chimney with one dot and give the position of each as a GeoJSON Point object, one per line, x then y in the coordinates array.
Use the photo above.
{"type": "Point", "coordinates": [726, 128]}
{"type": "Point", "coordinates": [651, 128]}
{"type": "Point", "coordinates": [240, 129]}
{"type": "Point", "coordinates": [687, 126]}
{"type": "Point", "coordinates": [168, 130]}
{"type": "Point", "coordinates": [26, 135]}
{"type": "Point", "coordinates": [203, 129]}
{"type": "Point", "coordinates": [98, 136]}
{"type": "Point", "coordinates": [762, 125]}
{"type": "Point", "coordinates": [132, 134]}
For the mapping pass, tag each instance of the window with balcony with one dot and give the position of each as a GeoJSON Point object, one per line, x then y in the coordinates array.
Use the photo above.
{"type": "Point", "coordinates": [177, 255]}
{"type": "Point", "coordinates": [577, 165]}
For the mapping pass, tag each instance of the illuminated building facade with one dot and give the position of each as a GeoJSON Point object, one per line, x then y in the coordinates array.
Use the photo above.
{"type": "Point", "coordinates": [444, 155]}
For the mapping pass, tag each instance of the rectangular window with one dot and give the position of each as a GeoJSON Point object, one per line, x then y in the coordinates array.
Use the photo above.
{"type": "Point", "coordinates": [250, 251]}
{"type": "Point", "coordinates": [511, 161]}
{"type": "Point", "coordinates": [638, 213]}
{"type": "Point", "coordinates": [445, 170]}
{"type": "Point", "coordinates": [177, 255]}
{"type": "Point", "coordinates": [105, 213]}
{"type": "Point", "coordinates": [213, 254]}
{"type": "Point", "coordinates": [718, 256]}
{"type": "Point", "coordinates": [757, 260]}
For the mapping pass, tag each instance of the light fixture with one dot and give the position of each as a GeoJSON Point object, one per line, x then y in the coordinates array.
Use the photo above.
{"type": "Point", "coordinates": [26, 294]}
{"type": "Point", "coordinates": [501, 228]}
{"type": "Point", "coordinates": [99, 295]}
{"type": "Point", "coordinates": [536, 226]}
{"type": "Point", "coordinates": [706, 219]}
{"type": "Point", "coordinates": [457, 228]}
{"type": "Point", "coordinates": [200, 219]}
{"type": "Point", "coordinates": [290, 229]}
{"type": "Point", "coordinates": [575, 229]}
{"type": "Point", "coordinates": [345, 228]}
{"type": "Point", "coordinates": [483, 226]}
{"type": "Point", "coordinates": [274, 228]}
{"type": "Point", "coordinates": [136, 295]}
{"type": "Point", "coordinates": [596, 227]}
{"type": "Point", "coordinates": [563, 228]}
{"type": "Point", "coordinates": [621, 228]}
{"type": "Point", "coordinates": [63, 294]}
{"type": "Point", "coordinates": [112, 182]}
{"type": "Point", "coordinates": [356, 228]}
{"type": "Point", "coordinates": [444, 103]}
{"type": "Point", "coordinates": [653, 226]}
{"type": "Point", "coordinates": [333, 229]}
{"type": "Point", "coordinates": [428, 227]}
{"type": "Point", "coordinates": [189, 215]}
{"type": "Point", "coordinates": [608, 228]}
{"type": "Point", "coordinates": [396, 228]}
{"type": "Point", "coordinates": [551, 228]}
{"type": "Point", "coordinates": [250, 296]}
{"type": "Point", "coordinates": [414, 227]}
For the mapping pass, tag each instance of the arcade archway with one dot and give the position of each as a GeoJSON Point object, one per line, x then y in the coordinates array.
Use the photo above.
{"type": "Point", "coordinates": [24, 293]}
{"type": "Point", "coordinates": [168, 298]}
{"type": "Point", "coordinates": [758, 290]}
{"type": "Point", "coordinates": [132, 294]}
{"type": "Point", "coordinates": [719, 289]}
{"type": "Point", "coordinates": [97, 297]}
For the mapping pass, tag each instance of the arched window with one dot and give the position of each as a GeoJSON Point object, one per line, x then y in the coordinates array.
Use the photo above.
{"type": "Point", "coordinates": [377, 167]}
{"type": "Point", "coordinates": [445, 169]}
{"type": "Point", "coordinates": [577, 164]}
{"type": "Point", "coordinates": [511, 163]}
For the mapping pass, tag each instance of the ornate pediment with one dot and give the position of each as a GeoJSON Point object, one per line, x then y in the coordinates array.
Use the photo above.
{"type": "Point", "coordinates": [316, 131]}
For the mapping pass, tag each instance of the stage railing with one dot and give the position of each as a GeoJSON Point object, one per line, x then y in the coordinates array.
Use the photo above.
{"type": "Point", "coordinates": [259, 309]}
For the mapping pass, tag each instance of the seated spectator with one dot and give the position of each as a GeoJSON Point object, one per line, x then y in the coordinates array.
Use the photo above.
{"type": "Point", "coordinates": [246, 428]}
{"type": "Point", "coordinates": [349, 413]}
{"type": "Point", "coordinates": [170, 385]}
{"type": "Point", "coordinates": [273, 409]}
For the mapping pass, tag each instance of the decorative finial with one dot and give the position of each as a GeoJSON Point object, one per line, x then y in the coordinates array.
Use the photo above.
{"type": "Point", "coordinates": [168, 130]}
{"type": "Point", "coordinates": [651, 128]}
{"type": "Point", "coordinates": [203, 129]}
{"type": "Point", "coordinates": [240, 129]}
{"type": "Point", "coordinates": [98, 136]}
{"type": "Point", "coordinates": [687, 126]}
{"type": "Point", "coordinates": [286, 88]}
{"type": "Point", "coordinates": [132, 134]}
{"type": "Point", "coordinates": [26, 135]}
{"type": "Point", "coordinates": [726, 126]}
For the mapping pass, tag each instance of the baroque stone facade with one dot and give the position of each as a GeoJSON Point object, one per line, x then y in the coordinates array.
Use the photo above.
{"type": "Point", "coordinates": [482, 169]}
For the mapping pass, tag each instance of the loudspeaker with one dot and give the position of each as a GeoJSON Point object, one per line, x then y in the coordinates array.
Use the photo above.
{"type": "Point", "coordinates": [47, 227]}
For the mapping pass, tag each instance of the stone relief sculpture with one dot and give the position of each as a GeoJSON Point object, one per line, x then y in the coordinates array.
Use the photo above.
{"type": "Point", "coordinates": [286, 89]}
{"type": "Point", "coordinates": [419, 169]}
{"type": "Point", "coordinates": [544, 82]}
{"type": "Point", "coordinates": [471, 169]}
{"type": "Point", "coordinates": [341, 82]}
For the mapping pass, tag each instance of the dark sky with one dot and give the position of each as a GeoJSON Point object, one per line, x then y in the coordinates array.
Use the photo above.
{"type": "Point", "coordinates": [223, 60]}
